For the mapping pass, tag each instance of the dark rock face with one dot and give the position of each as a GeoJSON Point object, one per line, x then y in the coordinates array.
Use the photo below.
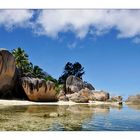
{"type": "Point", "coordinates": [99, 96]}
{"type": "Point", "coordinates": [7, 73]}
{"type": "Point", "coordinates": [10, 86]}
{"type": "Point", "coordinates": [134, 99]}
{"type": "Point", "coordinates": [75, 84]}
{"type": "Point", "coordinates": [89, 86]}
{"type": "Point", "coordinates": [38, 89]}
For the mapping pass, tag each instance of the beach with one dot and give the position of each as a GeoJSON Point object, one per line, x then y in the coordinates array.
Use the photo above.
{"type": "Point", "coordinates": [24, 102]}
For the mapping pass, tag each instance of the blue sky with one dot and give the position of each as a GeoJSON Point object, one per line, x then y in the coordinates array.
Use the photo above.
{"type": "Point", "coordinates": [105, 42]}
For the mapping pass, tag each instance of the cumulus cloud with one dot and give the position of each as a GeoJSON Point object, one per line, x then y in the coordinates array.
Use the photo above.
{"type": "Point", "coordinates": [82, 22]}
{"type": "Point", "coordinates": [15, 18]}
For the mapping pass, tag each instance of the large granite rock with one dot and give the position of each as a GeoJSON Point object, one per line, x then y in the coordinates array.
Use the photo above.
{"type": "Point", "coordinates": [99, 96]}
{"type": "Point", "coordinates": [38, 89]}
{"type": "Point", "coordinates": [85, 95]}
{"type": "Point", "coordinates": [7, 73]}
{"type": "Point", "coordinates": [82, 96]}
{"type": "Point", "coordinates": [89, 86]}
{"type": "Point", "coordinates": [61, 96]}
{"type": "Point", "coordinates": [75, 84]}
{"type": "Point", "coordinates": [81, 92]}
{"type": "Point", "coordinates": [135, 99]}
{"type": "Point", "coordinates": [118, 99]}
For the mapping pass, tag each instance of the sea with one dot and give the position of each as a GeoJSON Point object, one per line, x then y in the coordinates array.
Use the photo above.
{"type": "Point", "coordinates": [81, 117]}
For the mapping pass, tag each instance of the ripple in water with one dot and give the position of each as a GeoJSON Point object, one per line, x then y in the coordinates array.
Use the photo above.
{"type": "Point", "coordinates": [70, 118]}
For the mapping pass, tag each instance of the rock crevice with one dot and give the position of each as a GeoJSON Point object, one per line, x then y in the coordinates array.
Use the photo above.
{"type": "Point", "coordinates": [38, 89]}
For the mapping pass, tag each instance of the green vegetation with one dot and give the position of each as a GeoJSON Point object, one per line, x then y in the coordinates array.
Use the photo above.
{"type": "Point", "coordinates": [21, 59]}
{"type": "Point", "coordinates": [26, 68]}
{"type": "Point", "coordinates": [75, 69]}
{"type": "Point", "coordinates": [50, 78]}
{"type": "Point", "coordinates": [58, 86]}
{"type": "Point", "coordinates": [37, 72]}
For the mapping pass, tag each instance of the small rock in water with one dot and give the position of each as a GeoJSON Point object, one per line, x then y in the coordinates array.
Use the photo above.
{"type": "Point", "coordinates": [53, 114]}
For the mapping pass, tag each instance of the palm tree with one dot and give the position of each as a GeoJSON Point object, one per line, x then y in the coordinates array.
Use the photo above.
{"type": "Point", "coordinates": [21, 60]}
{"type": "Point", "coordinates": [37, 72]}
{"type": "Point", "coordinates": [24, 66]}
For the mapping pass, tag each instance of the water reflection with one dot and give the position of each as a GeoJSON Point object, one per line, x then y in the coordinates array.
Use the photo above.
{"type": "Point", "coordinates": [134, 106]}
{"type": "Point", "coordinates": [49, 117]}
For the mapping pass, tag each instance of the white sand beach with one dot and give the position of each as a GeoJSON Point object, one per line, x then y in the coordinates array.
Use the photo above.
{"type": "Point", "coordinates": [24, 102]}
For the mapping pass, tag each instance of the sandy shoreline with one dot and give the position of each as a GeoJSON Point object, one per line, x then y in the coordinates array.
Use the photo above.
{"type": "Point", "coordinates": [21, 102]}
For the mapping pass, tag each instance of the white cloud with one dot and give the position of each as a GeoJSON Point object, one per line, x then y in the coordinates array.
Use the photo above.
{"type": "Point", "coordinates": [15, 18]}
{"type": "Point", "coordinates": [80, 22]}
{"type": "Point", "coordinates": [52, 22]}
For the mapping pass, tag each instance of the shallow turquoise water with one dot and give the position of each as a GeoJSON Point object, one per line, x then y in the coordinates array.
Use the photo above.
{"type": "Point", "coordinates": [72, 118]}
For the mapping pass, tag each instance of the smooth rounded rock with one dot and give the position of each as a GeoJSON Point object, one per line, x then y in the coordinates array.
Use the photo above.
{"type": "Point", "coordinates": [7, 72]}
{"type": "Point", "coordinates": [75, 84]}
{"type": "Point", "coordinates": [99, 96]}
{"type": "Point", "coordinates": [135, 99]}
{"type": "Point", "coordinates": [39, 90]}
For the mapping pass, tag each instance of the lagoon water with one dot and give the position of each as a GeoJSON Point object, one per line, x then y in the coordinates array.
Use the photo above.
{"type": "Point", "coordinates": [70, 118]}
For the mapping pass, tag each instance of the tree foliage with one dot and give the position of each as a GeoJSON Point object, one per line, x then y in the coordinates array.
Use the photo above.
{"type": "Point", "coordinates": [21, 60]}
{"type": "Point", "coordinates": [75, 69]}
{"type": "Point", "coordinates": [50, 78]}
{"type": "Point", "coordinates": [37, 72]}
{"type": "Point", "coordinates": [25, 66]}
